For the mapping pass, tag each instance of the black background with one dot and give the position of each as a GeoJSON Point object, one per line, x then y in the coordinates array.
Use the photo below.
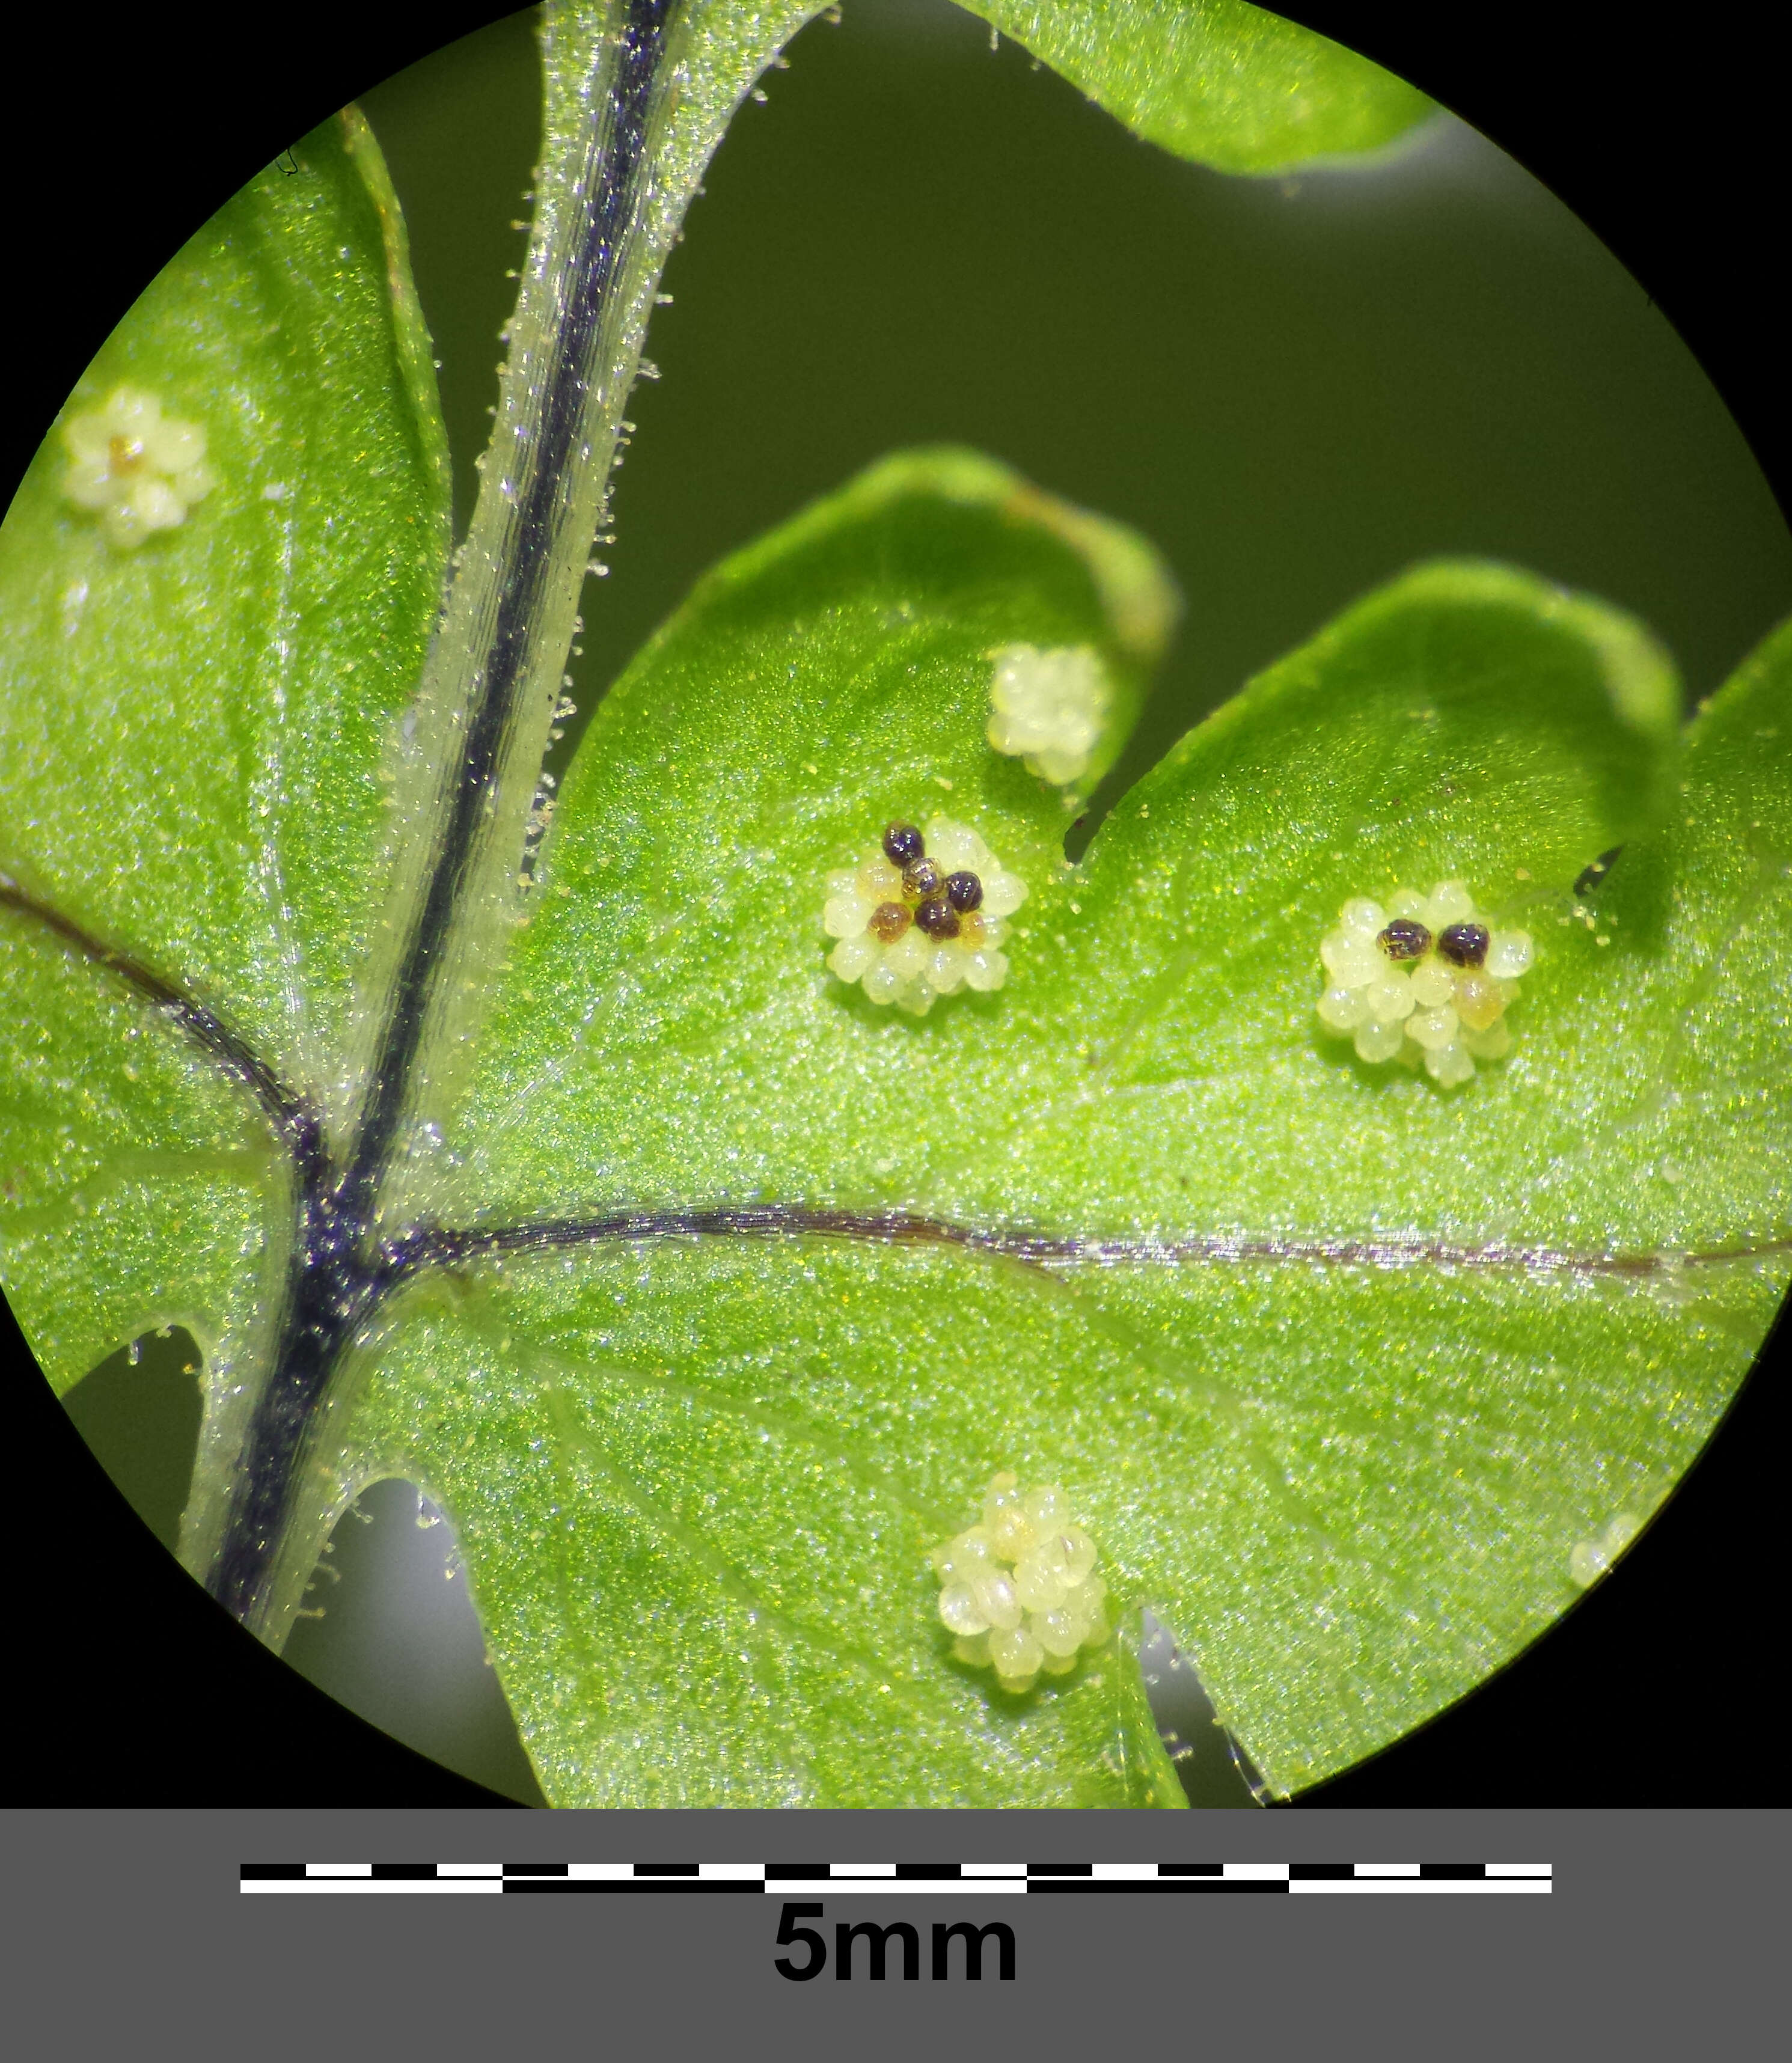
{"type": "Point", "coordinates": [128, 1688]}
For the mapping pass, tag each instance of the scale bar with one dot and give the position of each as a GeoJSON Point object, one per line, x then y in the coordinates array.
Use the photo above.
{"type": "Point", "coordinates": [981, 1880]}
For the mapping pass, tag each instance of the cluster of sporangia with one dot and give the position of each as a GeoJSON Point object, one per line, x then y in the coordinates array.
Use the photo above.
{"type": "Point", "coordinates": [137, 469]}
{"type": "Point", "coordinates": [1423, 980]}
{"type": "Point", "coordinates": [923, 916]}
{"type": "Point", "coordinates": [1020, 1590]}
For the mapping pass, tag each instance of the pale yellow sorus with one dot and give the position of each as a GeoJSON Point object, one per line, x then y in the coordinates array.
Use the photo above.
{"type": "Point", "coordinates": [139, 470]}
{"type": "Point", "coordinates": [1048, 708]}
{"type": "Point", "coordinates": [915, 969]}
{"type": "Point", "coordinates": [1019, 1590]}
{"type": "Point", "coordinates": [1590, 1559]}
{"type": "Point", "coordinates": [1422, 1010]}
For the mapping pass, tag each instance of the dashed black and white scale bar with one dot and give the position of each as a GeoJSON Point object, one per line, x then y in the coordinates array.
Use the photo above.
{"type": "Point", "coordinates": [980, 1880]}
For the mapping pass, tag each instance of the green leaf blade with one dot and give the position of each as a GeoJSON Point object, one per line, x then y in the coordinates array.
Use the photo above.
{"type": "Point", "coordinates": [1702, 913]}
{"type": "Point", "coordinates": [135, 1185]}
{"type": "Point", "coordinates": [699, 1586]}
{"type": "Point", "coordinates": [1226, 83]}
{"type": "Point", "coordinates": [1339, 1368]}
{"type": "Point", "coordinates": [219, 697]}
{"type": "Point", "coordinates": [1363, 1486]}
{"type": "Point", "coordinates": [1467, 721]}
{"type": "Point", "coordinates": [191, 736]}
{"type": "Point", "coordinates": [819, 685]}
{"type": "Point", "coordinates": [1454, 1336]}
